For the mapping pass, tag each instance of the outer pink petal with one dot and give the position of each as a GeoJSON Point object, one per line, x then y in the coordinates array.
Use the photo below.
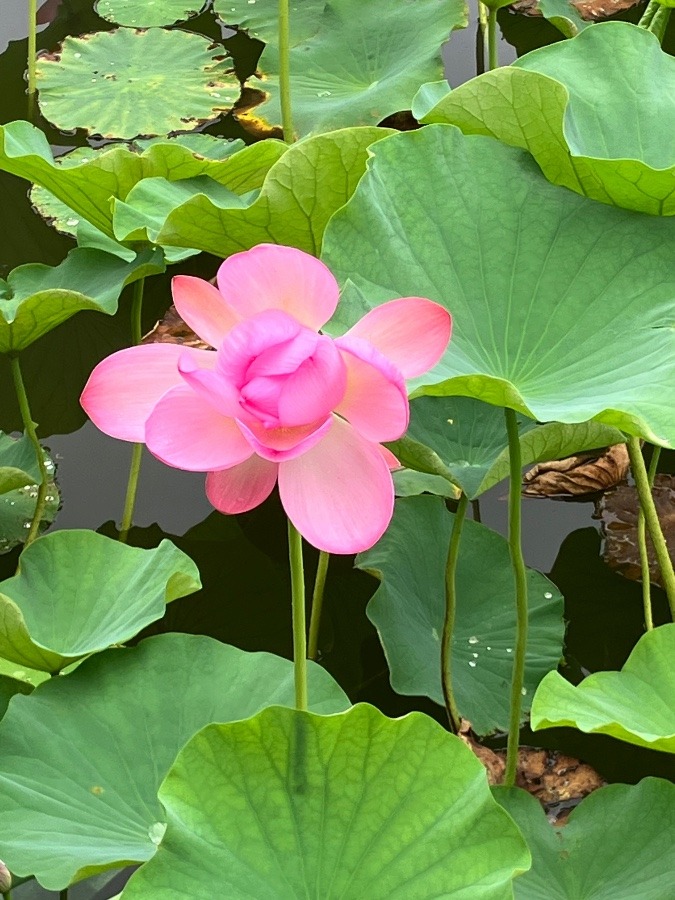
{"type": "Point", "coordinates": [412, 332]}
{"type": "Point", "coordinates": [201, 306]}
{"type": "Point", "coordinates": [242, 487]}
{"type": "Point", "coordinates": [277, 444]}
{"type": "Point", "coordinates": [391, 461]}
{"type": "Point", "coordinates": [186, 432]}
{"type": "Point", "coordinates": [340, 494]}
{"type": "Point", "coordinates": [275, 277]}
{"type": "Point", "coordinates": [376, 401]}
{"type": "Point", "coordinates": [124, 388]}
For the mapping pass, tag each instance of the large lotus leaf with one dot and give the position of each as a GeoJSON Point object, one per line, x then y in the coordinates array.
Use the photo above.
{"type": "Point", "coordinates": [82, 758]}
{"type": "Point", "coordinates": [636, 705]}
{"type": "Point", "coordinates": [408, 610]}
{"type": "Point", "coordinates": [146, 13]}
{"type": "Point", "coordinates": [302, 190]}
{"type": "Point", "coordinates": [353, 805]}
{"type": "Point", "coordinates": [564, 15]}
{"type": "Point", "coordinates": [18, 463]}
{"type": "Point", "coordinates": [100, 592]}
{"type": "Point", "coordinates": [17, 508]}
{"type": "Point", "coordinates": [465, 441]}
{"type": "Point", "coordinates": [87, 188]}
{"type": "Point", "coordinates": [589, 127]}
{"type": "Point", "coordinates": [31, 677]}
{"type": "Point", "coordinates": [8, 688]}
{"type": "Point", "coordinates": [563, 307]}
{"type": "Point", "coordinates": [129, 82]}
{"type": "Point", "coordinates": [36, 298]}
{"type": "Point", "coordinates": [341, 76]}
{"type": "Point", "coordinates": [617, 844]}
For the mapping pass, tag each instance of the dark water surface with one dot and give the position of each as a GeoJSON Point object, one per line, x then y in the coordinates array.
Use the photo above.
{"type": "Point", "coordinates": [243, 561]}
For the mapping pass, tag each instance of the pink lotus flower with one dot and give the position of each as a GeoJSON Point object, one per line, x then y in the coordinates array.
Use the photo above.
{"type": "Point", "coordinates": [278, 401]}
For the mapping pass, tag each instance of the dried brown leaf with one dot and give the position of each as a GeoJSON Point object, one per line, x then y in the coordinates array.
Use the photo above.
{"type": "Point", "coordinates": [583, 473]}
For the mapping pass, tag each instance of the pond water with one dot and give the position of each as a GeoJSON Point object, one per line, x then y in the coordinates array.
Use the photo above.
{"type": "Point", "coordinates": [243, 562]}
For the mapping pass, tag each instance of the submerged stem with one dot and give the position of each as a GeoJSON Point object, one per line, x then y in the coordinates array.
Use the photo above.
{"type": "Point", "coordinates": [520, 578]}
{"type": "Point", "coordinates": [32, 54]}
{"type": "Point", "coordinates": [450, 609]}
{"type": "Point", "coordinates": [137, 451]}
{"type": "Point", "coordinates": [646, 498]}
{"type": "Point", "coordinates": [285, 70]}
{"type": "Point", "coordinates": [493, 47]}
{"type": "Point", "coordinates": [30, 429]}
{"type": "Point", "coordinates": [317, 604]}
{"type": "Point", "coordinates": [298, 607]}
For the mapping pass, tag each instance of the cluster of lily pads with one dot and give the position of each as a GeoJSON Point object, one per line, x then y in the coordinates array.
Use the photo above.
{"type": "Point", "coordinates": [535, 205]}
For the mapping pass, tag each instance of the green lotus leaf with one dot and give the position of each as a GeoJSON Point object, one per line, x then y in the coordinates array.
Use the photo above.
{"type": "Point", "coordinates": [116, 83]}
{"type": "Point", "coordinates": [615, 846]}
{"type": "Point", "coordinates": [410, 483]}
{"type": "Point", "coordinates": [18, 463]}
{"type": "Point", "coordinates": [636, 705]}
{"type": "Point", "coordinates": [408, 610]}
{"type": "Point", "coordinates": [146, 13]}
{"type": "Point", "coordinates": [8, 688]}
{"type": "Point", "coordinates": [352, 805]}
{"type": "Point", "coordinates": [302, 190]}
{"type": "Point", "coordinates": [66, 220]}
{"type": "Point", "coordinates": [564, 15]}
{"type": "Point", "coordinates": [468, 443]}
{"type": "Point", "coordinates": [17, 505]}
{"type": "Point", "coordinates": [101, 592]}
{"type": "Point", "coordinates": [82, 758]}
{"type": "Point", "coordinates": [36, 298]}
{"type": "Point", "coordinates": [562, 306]}
{"type": "Point", "coordinates": [31, 677]}
{"type": "Point", "coordinates": [87, 188]}
{"type": "Point", "coordinates": [589, 128]}
{"type": "Point", "coordinates": [337, 78]}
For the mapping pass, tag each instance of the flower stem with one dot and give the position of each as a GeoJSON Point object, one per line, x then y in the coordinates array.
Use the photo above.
{"type": "Point", "coordinates": [63, 895]}
{"type": "Point", "coordinates": [450, 609]}
{"type": "Point", "coordinates": [646, 498]}
{"type": "Point", "coordinates": [317, 604]}
{"type": "Point", "coordinates": [32, 54]}
{"type": "Point", "coordinates": [285, 70]}
{"type": "Point", "coordinates": [299, 624]}
{"type": "Point", "coordinates": [493, 46]}
{"type": "Point", "coordinates": [642, 544]}
{"type": "Point", "coordinates": [520, 578]}
{"type": "Point", "coordinates": [30, 429]}
{"type": "Point", "coordinates": [137, 451]}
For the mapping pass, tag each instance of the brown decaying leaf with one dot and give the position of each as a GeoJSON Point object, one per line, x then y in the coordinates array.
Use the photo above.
{"type": "Point", "coordinates": [590, 10]}
{"type": "Point", "coordinates": [559, 782]}
{"type": "Point", "coordinates": [171, 329]}
{"type": "Point", "coordinates": [583, 473]}
{"type": "Point", "coordinates": [618, 512]}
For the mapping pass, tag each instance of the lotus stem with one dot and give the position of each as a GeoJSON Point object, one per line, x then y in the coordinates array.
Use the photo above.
{"type": "Point", "coordinates": [30, 429]}
{"type": "Point", "coordinates": [32, 54]}
{"type": "Point", "coordinates": [317, 604]}
{"type": "Point", "coordinates": [648, 506]}
{"type": "Point", "coordinates": [285, 70]}
{"type": "Point", "coordinates": [454, 717]}
{"type": "Point", "coordinates": [493, 47]}
{"type": "Point", "coordinates": [648, 14]}
{"type": "Point", "coordinates": [520, 578]}
{"type": "Point", "coordinates": [481, 38]}
{"type": "Point", "coordinates": [299, 624]}
{"type": "Point", "coordinates": [475, 510]}
{"type": "Point", "coordinates": [137, 450]}
{"type": "Point", "coordinates": [642, 544]}
{"type": "Point", "coordinates": [659, 22]}
{"type": "Point", "coordinates": [63, 895]}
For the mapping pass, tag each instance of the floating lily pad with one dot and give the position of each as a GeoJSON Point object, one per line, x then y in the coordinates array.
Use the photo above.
{"type": "Point", "coordinates": [562, 306]}
{"type": "Point", "coordinates": [129, 82]}
{"type": "Point", "coordinates": [36, 298]}
{"type": "Point", "coordinates": [465, 441]}
{"type": "Point", "coordinates": [88, 188]}
{"type": "Point", "coordinates": [616, 845]}
{"type": "Point", "coordinates": [339, 76]}
{"type": "Point", "coordinates": [618, 512]}
{"type": "Point", "coordinates": [146, 13]}
{"type": "Point", "coordinates": [636, 705]}
{"type": "Point", "coordinates": [301, 192]}
{"type": "Point", "coordinates": [588, 126]}
{"type": "Point", "coordinates": [86, 612]}
{"type": "Point", "coordinates": [82, 758]}
{"type": "Point", "coordinates": [408, 610]}
{"type": "Point", "coordinates": [352, 805]}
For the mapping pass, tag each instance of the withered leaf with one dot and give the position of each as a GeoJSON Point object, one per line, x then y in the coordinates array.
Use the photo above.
{"type": "Point", "coordinates": [583, 473]}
